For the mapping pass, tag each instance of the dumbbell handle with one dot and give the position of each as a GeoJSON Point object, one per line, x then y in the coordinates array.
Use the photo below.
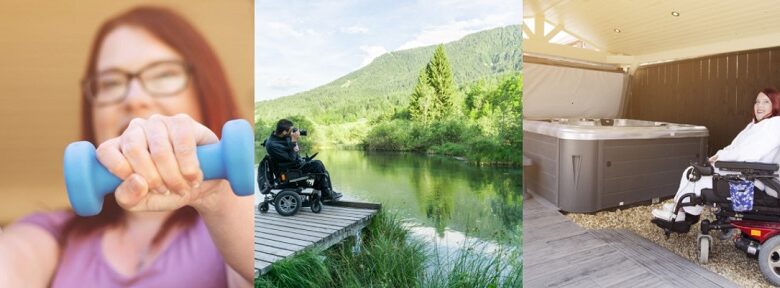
{"type": "Point", "coordinates": [88, 181]}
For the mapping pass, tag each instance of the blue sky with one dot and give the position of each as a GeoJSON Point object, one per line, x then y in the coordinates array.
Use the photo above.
{"type": "Point", "coordinates": [300, 45]}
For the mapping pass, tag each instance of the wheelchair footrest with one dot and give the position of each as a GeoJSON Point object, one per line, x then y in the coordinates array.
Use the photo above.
{"type": "Point", "coordinates": [676, 227]}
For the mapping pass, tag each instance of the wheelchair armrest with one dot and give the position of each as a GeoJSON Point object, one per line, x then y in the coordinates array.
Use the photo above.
{"type": "Point", "coordinates": [747, 167]}
{"type": "Point", "coordinates": [703, 170]}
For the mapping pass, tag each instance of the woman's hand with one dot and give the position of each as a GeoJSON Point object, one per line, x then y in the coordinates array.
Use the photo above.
{"type": "Point", "coordinates": [156, 159]}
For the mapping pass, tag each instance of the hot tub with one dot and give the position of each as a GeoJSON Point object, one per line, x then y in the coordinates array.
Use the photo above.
{"type": "Point", "coordinates": [586, 164]}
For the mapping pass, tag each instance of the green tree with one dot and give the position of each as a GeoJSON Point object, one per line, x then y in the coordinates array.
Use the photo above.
{"type": "Point", "coordinates": [439, 75]}
{"type": "Point", "coordinates": [422, 99]}
{"type": "Point", "coordinates": [474, 99]}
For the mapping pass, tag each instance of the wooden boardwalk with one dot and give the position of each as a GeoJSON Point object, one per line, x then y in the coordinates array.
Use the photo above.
{"type": "Point", "coordinates": [559, 253]}
{"type": "Point", "coordinates": [277, 237]}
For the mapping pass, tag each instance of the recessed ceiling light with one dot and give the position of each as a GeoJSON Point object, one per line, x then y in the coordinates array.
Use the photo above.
{"type": "Point", "coordinates": [617, 30]}
{"type": "Point", "coordinates": [675, 13]}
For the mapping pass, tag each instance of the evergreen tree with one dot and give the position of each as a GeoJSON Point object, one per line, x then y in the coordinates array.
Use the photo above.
{"type": "Point", "coordinates": [439, 75]}
{"type": "Point", "coordinates": [422, 99]}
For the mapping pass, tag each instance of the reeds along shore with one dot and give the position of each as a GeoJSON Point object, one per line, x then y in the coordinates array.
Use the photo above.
{"type": "Point", "coordinates": [390, 257]}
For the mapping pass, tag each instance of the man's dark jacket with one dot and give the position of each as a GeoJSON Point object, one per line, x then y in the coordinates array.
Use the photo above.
{"type": "Point", "coordinates": [282, 152]}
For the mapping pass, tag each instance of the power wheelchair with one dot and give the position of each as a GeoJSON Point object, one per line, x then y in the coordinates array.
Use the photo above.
{"type": "Point", "coordinates": [288, 190]}
{"type": "Point", "coordinates": [758, 221]}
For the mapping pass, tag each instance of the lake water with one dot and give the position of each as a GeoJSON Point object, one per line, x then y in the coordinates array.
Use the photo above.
{"type": "Point", "coordinates": [444, 201]}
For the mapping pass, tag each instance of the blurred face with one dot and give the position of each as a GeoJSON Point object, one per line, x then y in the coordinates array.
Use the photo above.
{"type": "Point", "coordinates": [763, 107]}
{"type": "Point", "coordinates": [137, 76]}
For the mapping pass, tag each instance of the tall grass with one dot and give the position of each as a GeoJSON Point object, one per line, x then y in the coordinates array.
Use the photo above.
{"type": "Point", "coordinates": [305, 270]}
{"type": "Point", "coordinates": [474, 265]}
{"type": "Point", "coordinates": [391, 258]}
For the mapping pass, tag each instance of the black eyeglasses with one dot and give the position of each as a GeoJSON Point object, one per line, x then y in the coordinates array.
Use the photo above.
{"type": "Point", "coordinates": [159, 79]}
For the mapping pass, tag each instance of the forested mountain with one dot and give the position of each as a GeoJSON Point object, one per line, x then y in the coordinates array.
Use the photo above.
{"type": "Point", "coordinates": [386, 83]}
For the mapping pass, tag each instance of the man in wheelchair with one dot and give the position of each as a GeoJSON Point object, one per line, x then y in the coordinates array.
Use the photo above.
{"type": "Point", "coordinates": [282, 148]}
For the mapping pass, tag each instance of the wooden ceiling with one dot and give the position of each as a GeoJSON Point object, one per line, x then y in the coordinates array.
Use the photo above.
{"type": "Point", "coordinates": [648, 27]}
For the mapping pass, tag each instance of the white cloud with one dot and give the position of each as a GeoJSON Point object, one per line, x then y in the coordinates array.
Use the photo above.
{"type": "Point", "coordinates": [355, 29]}
{"type": "Point", "coordinates": [281, 30]}
{"type": "Point", "coordinates": [455, 30]}
{"type": "Point", "coordinates": [371, 53]}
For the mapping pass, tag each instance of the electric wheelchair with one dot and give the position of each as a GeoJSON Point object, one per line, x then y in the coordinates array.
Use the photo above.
{"type": "Point", "coordinates": [288, 190]}
{"type": "Point", "coordinates": [743, 197]}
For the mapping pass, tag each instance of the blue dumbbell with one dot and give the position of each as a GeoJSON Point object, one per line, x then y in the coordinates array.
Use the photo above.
{"type": "Point", "coordinates": [232, 158]}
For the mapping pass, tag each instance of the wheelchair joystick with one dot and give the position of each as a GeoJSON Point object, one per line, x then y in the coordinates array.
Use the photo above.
{"type": "Point", "coordinates": [232, 158]}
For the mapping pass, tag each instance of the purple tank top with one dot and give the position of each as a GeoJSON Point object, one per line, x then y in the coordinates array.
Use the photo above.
{"type": "Point", "coordinates": [190, 260]}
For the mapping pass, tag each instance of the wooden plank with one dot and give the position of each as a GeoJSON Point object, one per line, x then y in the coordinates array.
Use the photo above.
{"type": "Point", "coordinates": [287, 231]}
{"type": "Point", "coordinates": [644, 280]}
{"type": "Point", "coordinates": [562, 271]}
{"type": "Point", "coordinates": [315, 218]}
{"type": "Point", "coordinates": [273, 251]}
{"type": "Point", "coordinates": [319, 217]}
{"type": "Point", "coordinates": [557, 254]}
{"type": "Point", "coordinates": [295, 233]}
{"type": "Point", "coordinates": [331, 211]}
{"type": "Point", "coordinates": [281, 245]}
{"type": "Point", "coordinates": [309, 221]}
{"type": "Point", "coordinates": [266, 257]}
{"type": "Point", "coordinates": [350, 204]}
{"type": "Point", "coordinates": [278, 237]}
{"type": "Point", "coordinates": [270, 233]}
{"type": "Point", "coordinates": [346, 210]}
{"type": "Point", "coordinates": [263, 263]}
{"type": "Point", "coordinates": [304, 229]}
{"type": "Point", "coordinates": [285, 222]}
{"type": "Point", "coordinates": [298, 222]}
{"type": "Point", "coordinates": [554, 231]}
{"type": "Point", "coordinates": [261, 267]}
{"type": "Point", "coordinates": [551, 249]}
{"type": "Point", "coordinates": [540, 264]}
{"type": "Point", "coordinates": [542, 219]}
{"type": "Point", "coordinates": [661, 261]}
{"type": "Point", "coordinates": [273, 241]}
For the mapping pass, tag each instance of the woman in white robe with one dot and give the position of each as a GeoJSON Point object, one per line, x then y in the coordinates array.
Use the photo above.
{"type": "Point", "coordinates": [758, 142]}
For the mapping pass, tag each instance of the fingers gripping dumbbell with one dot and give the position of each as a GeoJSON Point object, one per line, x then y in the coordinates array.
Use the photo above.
{"type": "Point", "coordinates": [232, 158]}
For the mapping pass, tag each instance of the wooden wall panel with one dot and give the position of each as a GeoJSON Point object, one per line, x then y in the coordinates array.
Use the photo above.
{"type": "Point", "coordinates": [715, 91]}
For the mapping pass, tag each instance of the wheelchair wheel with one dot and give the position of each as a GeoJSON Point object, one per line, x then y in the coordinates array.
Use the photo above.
{"type": "Point", "coordinates": [728, 234]}
{"type": "Point", "coordinates": [287, 203]}
{"type": "Point", "coordinates": [705, 243]}
{"type": "Point", "coordinates": [263, 207]}
{"type": "Point", "coordinates": [316, 205]}
{"type": "Point", "coordinates": [769, 260]}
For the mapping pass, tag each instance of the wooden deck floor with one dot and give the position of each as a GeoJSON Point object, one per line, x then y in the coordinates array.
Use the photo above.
{"type": "Point", "coordinates": [277, 237]}
{"type": "Point", "coordinates": [559, 253]}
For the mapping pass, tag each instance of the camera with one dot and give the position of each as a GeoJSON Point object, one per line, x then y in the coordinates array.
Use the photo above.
{"type": "Point", "coordinates": [303, 132]}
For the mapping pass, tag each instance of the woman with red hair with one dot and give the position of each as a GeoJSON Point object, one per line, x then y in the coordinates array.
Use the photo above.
{"type": "Point", "coordinates": [153, 90]}
{"type": "Point", "coordinates": [758, 142]}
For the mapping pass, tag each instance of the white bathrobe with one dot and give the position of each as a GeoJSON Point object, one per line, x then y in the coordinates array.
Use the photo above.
{"type": "Point", "coordinates": [758, 142]}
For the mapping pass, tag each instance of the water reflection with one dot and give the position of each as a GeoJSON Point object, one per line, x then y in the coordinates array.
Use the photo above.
{"type": "Point", "coordinates": [438, 192]}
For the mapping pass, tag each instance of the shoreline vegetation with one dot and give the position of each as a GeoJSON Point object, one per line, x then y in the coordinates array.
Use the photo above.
{"type": "Point", "coordinates": [391, 257]}
{"type": "Point", "coordinates": [485, 129]}
{"type": "Point", "coordinates": [461, 99]}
